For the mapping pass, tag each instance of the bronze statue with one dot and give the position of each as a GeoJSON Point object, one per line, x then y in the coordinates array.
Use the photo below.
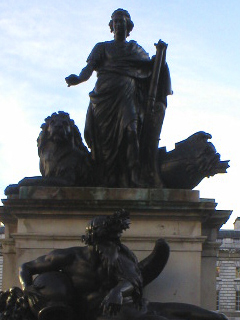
{"type": "Point", "coordinates": [64, 159]}
{"type": "Point", "coordinates": [62, 152]}
{"type": "Point", "coordinates": [67, 162]}
{"type": "Point", "coordinates": [192, 160]}
{"type": "Point", "coordinates": [102, 278]}
{"type": "Point", "coordinates": [123, 126]}
{"type": "Point", "coordinates": [118, 103]}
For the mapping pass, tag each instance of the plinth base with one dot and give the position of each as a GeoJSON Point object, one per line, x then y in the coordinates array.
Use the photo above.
{"type": "Point", "coordinates": [42, 219]}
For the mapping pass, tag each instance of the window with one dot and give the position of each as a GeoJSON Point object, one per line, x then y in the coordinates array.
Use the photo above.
{"type": "Point", "coordinates": [217, 302]}
{"type": "Point", "coordinates": [218, 272]}
{"type": "Point", "coordinates": [237, 300]}
{"type": "Point", "coordinates": [237, 272]}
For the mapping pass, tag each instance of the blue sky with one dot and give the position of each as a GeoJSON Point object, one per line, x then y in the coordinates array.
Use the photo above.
{"type": "Point", "coordinates": [44, 41]}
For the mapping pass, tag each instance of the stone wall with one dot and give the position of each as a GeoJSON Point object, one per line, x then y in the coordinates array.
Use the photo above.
{"type": "Point", "coordinates": [42, 219]}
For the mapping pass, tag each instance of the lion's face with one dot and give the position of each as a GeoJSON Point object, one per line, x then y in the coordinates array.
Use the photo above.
{"type": "Point", "coordinates": [59, 129]}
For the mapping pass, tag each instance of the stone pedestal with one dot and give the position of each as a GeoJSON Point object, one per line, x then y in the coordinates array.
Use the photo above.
{"type": "Point", "coordinates": [41, 219]}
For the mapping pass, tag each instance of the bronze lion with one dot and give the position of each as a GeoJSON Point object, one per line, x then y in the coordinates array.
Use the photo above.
{"type": "Point", "coordinates": [62, 152]}
{"type": "Point", "coordinates": [64, 159]}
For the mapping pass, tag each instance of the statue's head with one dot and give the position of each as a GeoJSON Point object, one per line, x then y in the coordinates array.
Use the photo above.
{"type": "Point", "coordinates": [126, 15]}
{"type": "Point", "coordinates": [106, 228]}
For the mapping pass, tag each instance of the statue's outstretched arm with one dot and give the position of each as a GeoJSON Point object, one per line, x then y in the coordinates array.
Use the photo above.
{"type": "Point", "coordinates": [84, 75]}
{"type": "Point", "coordinates": [153, 264]}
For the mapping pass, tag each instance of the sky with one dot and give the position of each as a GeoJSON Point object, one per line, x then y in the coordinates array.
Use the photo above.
{"type": "Point", "coordinates": [44, 41]}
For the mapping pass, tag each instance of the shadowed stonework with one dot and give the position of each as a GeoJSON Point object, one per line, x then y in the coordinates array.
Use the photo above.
{"type": "Point", "coordinates": [103, 278]}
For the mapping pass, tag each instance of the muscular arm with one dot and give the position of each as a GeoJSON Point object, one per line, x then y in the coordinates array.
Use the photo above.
{"type": "Point", "coordinates": [54, 261]}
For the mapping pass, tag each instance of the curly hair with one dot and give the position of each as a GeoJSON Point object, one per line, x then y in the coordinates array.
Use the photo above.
{"type": "Point", "coordinates": [126, 14]}
{"type": "Point", "coordinates": [75, 132]}
{"type": "Point", "coordinates": [102, 227]}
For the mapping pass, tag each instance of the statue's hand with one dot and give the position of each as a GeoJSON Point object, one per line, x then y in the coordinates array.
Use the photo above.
{"type": "Point", "coordinates": [72, 80]}
{"type": "Point", "coordinates": [112, 302]}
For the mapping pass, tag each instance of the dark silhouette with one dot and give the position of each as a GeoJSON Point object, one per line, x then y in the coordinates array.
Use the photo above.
{"type": "Point", "coordinates": [102, 278]}
{"type": "Point", "coordinates": [67, 162]}
{"type": "Point", "coordinates": [62, 152]}
{"type": "Point", "coordinates": [123, 126]}
{"type": "Point", "coordinates": [64, 159]}
{"type": "Point", "coordinates": [192, 160]}
{"type": "Point", "coordinates": [118, 104]}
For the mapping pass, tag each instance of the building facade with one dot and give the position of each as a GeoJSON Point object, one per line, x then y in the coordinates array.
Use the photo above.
{"type": "Point", "coordinates": [228, 272]}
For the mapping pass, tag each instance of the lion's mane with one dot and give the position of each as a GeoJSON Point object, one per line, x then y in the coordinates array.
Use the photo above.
{"type": "Point", "coordinates": [64, 157]}
{"type": "Point", "coordinates": [75, 133]}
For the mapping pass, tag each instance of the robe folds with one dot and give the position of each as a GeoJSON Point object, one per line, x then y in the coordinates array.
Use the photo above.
{"type": "Point", "coordinates": [118, 99]}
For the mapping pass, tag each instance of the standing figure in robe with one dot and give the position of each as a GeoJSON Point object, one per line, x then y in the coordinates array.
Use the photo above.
{"type": "Point", "coordinates": [117, 103]}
